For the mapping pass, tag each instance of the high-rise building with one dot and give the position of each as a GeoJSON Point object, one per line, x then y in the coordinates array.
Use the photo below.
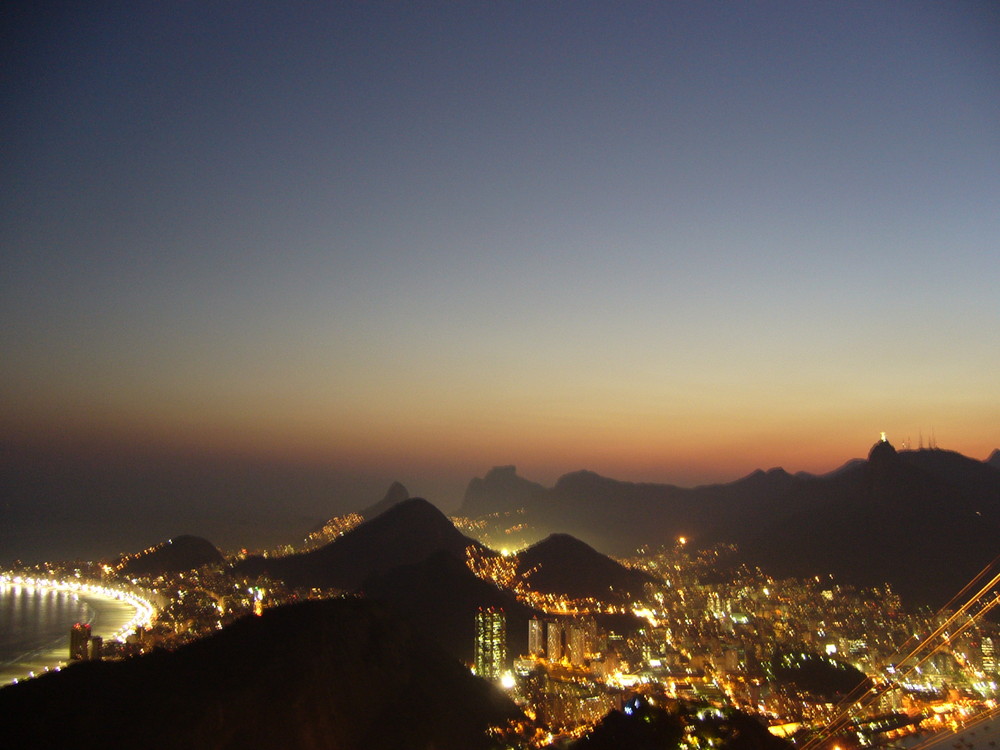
{"type": "Point", "coordinates": [536, 637]}
{"type": "Point", "coordinates": [491, 643]}
{"type": "Point", "coordinates": [554, 642]}
{"type": "Point", "coordinates": [79, 640]}
{"type": "Point", "coordinates": [989, 655]}
{"type": "Point", "coordinates": [576, 644]}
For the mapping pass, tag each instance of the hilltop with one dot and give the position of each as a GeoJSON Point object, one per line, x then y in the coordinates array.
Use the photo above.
{"type": "Point", "coordinates": [408, 532]}
{"type": "Point", "coordinates": [175, 555]}
{"type": "Point", "coordinates": [562, 564]}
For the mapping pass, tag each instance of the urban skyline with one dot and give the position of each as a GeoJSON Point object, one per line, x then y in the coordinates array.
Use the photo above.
{"type": "Point", "coordinates": [814, 660]}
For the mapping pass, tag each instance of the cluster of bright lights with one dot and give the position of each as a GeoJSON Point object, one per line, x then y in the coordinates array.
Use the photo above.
{"type": "Point", "coordinates": [144, 610]}
{"type": "Point", "coordinates": [501, 570]}
{"type": "Point", "coordinates": [335, 527]}
{"type": "Point", "coordinates": [126, 559]}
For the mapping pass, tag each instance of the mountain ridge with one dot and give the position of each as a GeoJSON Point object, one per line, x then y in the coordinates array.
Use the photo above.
{"type": "Point", "coordinates": [396, 493]}
{"type": "Point", "coordinates": [175, 555]}
{"type": "Point", "coordinates": [408, 532]}
{"type": "Point", "coordinates": [889, 504]}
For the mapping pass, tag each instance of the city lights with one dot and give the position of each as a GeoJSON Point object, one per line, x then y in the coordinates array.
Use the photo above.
{"type": "Point", "coordinates": [144, 610]}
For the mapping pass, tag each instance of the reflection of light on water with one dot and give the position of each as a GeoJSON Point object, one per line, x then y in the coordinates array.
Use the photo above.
{"type": "Point", "coordinates": [121, 623]}
{"type": "Point", "coordinates": [144, 611]}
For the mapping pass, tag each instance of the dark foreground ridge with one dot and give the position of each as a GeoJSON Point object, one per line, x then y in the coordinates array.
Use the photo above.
{"type": "Point", "coordinates": [440, 596]}
{"type": "Point", "coordinates": [322, 675]}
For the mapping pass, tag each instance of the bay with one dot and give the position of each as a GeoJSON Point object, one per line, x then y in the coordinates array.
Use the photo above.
{"type": "Point", "coordinates": [35, 625]}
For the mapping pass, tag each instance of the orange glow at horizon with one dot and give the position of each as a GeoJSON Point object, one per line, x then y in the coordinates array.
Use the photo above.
{"type": "Point", "coordinates": [690, 448]}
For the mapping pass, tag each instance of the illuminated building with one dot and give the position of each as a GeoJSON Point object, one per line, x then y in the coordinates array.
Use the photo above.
{"type": "Point", "coordinates": [491, 643]}
{"type": "Point", "coordinates": [79, 640]}
{"type": "Point", "coordinates": [536, 637]}
{"type": "Point", "coordinates": [554, 645]}
{"type": "Point", "coordinates": [989, 656]}
{"type": "Point", "coordinates": [576, 645]}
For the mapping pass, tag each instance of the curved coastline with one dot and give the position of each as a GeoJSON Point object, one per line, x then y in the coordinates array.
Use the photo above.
{"type": "Point", "coordinates": [112, 615]}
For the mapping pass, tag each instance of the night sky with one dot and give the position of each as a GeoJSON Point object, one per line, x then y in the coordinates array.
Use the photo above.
{"type": "Point", "coordinates": [662, 241]}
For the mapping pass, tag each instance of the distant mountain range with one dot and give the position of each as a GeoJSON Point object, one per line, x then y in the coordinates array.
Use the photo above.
{"type": "Point", "coordinates": [396, 494]}
{"type": "Point", "coordinates": [326, 675]}
{"type": "Point", "coordinates": [925, 521]}
{"type": "Point", "coordinates": [499, 491]}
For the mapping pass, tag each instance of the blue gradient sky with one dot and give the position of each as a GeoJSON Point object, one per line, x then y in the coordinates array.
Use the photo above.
{"type": "Point", "coordinates": [663, 241]}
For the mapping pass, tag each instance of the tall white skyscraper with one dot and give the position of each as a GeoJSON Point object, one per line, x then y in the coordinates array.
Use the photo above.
{"type": "Point", "coordinates": [536, 637]}
{"type": "Point", "coordinates": [554, 643]}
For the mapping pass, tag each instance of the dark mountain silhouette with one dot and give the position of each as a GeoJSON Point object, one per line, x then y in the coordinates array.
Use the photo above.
{"type": "Point", "coordinates": [499, 491]}
{"type": "Point", "coordinates": [441, 596]}
{"type": "Point", "coordinates": [409, 532]}
{"type": "Point", "coordinates": [562, 564]}
{"type": "Point", "coordinates": [616, 516]}
{"type": "Point", "coordinates": [173, 556]}
{"type": "Point", "coordinates": [397, 493]}
{"type": "Point", "coordinates": [321, 675]}
{"type": "Point", "coordinates": [949, 467]}
{"type": "Point", "coordinates": [848, 465]}
{"type": "Point", "coordinates": [925, 521]}
{"type": "Point", "coordinates": [994, 459]}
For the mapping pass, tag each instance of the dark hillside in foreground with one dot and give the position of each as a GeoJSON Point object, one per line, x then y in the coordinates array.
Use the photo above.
{"type": "Point", "coordinates": [441, 596]}
{"type": "Point", "coordinates": [323, 675]}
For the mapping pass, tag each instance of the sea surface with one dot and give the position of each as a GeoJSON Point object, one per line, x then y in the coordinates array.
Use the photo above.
{"type": "Point", "coordinates": [35, 625]}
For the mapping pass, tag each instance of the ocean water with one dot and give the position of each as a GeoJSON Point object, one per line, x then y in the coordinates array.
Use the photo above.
{"type": "Point", "coordinates": [35, 625]}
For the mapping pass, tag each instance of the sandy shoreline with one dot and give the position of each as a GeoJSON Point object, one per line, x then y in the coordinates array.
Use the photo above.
{"type": "Point", "coordinates": [107, 617]}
